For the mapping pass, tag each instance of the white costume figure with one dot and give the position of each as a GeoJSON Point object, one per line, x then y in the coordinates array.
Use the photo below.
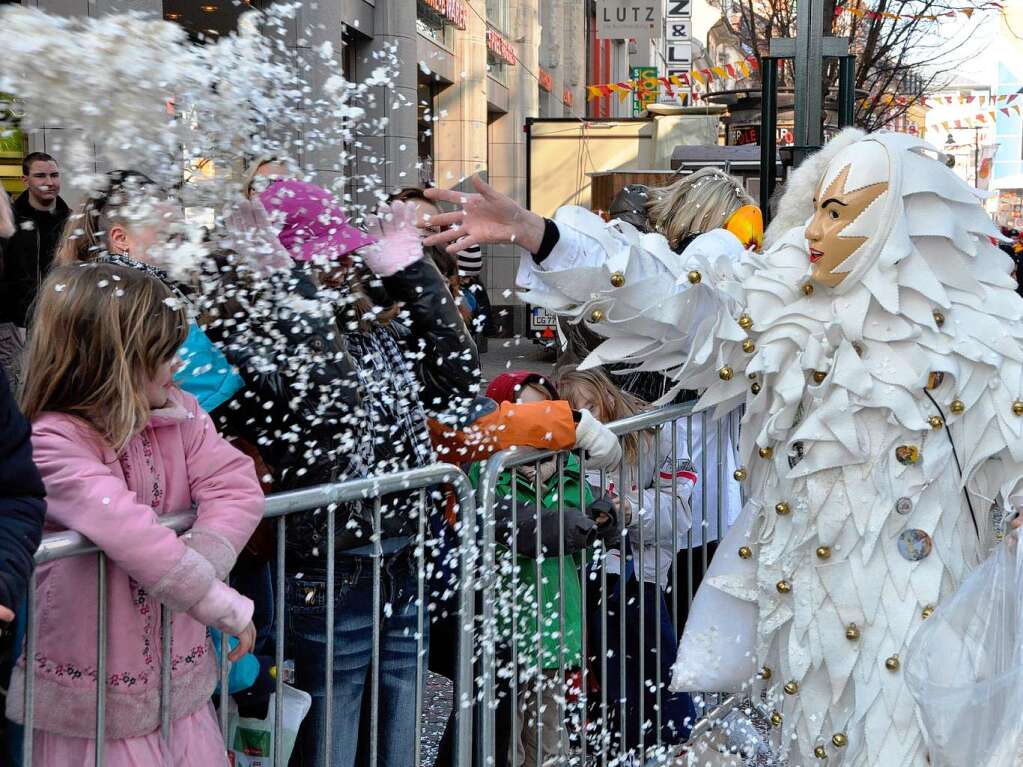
{"type": "Point", "coordinates": [878, 350]}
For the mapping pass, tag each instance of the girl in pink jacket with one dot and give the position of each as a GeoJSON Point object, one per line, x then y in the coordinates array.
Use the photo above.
{"type": "Point", "coordinates": [119, 446]}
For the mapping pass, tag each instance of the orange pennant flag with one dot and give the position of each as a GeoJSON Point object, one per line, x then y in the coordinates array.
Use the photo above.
{"type": "Point", "coordinates": [968, 12]}
{"type": "Point", "coordinates": [1017, 109]}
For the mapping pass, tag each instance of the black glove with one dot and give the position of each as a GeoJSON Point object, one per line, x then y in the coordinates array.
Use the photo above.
{"type": "Point", "coordinates": [580, 529]}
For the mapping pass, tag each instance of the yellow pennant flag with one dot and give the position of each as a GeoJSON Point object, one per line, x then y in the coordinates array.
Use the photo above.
{"type": "Point", "coordinates": [703, 80]}
{"type": "Point", "coordinates": [720, 72]}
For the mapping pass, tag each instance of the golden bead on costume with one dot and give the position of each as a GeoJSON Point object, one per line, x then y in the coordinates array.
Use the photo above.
{"type": "Point", "coordinates": [791, 688]}
{"type": "Point", "coordinates": [936, 421]}
{"type": "Point", "coordinates": [957, 406]}
{"type": "Point", "coordinates": [766, 673]}
{"type": "Point", "coordinates": [892, 663]}
{"type": "Point", "coordinates": [745, 321]}
{"type": "Point", "coordinates": [808, 289]}
{"type": "Point", "coordinates": [820, 752]}
{"type": "Point", "coordinates": [939, 318]}
{"type": "Point", "coordinates": [725, 373]}
{"type": "Point", "coordinates": [819, 376]}
{"type": "Point", "coordinates": [765, 452]}
{"type": "Point", "coordinates": [745, 552]}
{"type": "Point", "coordinates": [748, 346]}
{"type": "Point", "coordinates": [852, 632]}
{"type": "Point", "coordinates": [617, 280]}
{"type": "Point", "coordinates": [823, 552]}
{"type": "Point", "coordinates": [755, 388]}
{"type": "Point", "coordinates": [927, 612]}
{"type": "Point", "coordinates": [739, 474]}
{"type": "Point", "coordinates": [1017, 408]}
{"type": "Point", "coordinates": [695, 277]}
{"type": "Point", "coordinates": [596, 315]}
{"type": "Point", "coordinates": [840, 740]}
{"type": "Point", "coordinates": [782, 508]}
{"type": "Point", "coordinates": [784, 587]}
{"type": "Point", "coordinates": [776, 719]}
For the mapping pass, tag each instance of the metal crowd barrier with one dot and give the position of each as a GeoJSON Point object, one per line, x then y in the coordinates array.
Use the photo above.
{"type": "Point", "coordinates": [592, 743]}
{"type": "Point", "coordinates": [279, 507]}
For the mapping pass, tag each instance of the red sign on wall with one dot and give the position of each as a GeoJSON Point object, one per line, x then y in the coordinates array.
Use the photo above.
{"type": "Point", "coordinates": [546, 81]}
{"type": "Point", "coordinates": [452, 10]}
{"type": "Point", "coordinates": [500, 47]}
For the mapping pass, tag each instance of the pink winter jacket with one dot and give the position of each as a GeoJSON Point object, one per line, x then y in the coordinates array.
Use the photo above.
{"type": "Point", "coordinates": [178, 461]}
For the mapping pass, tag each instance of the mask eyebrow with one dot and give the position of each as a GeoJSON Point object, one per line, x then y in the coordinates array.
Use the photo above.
{"type": "Point", "coordinates": [831, 200]}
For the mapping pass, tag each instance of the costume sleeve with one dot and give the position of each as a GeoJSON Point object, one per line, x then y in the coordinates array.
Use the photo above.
{"type": "Point", "coordinates": [543, 425]}
{"type": "Point", "coordinates": [22, 507]}
{"type": "Point", "coordinates": [675, 314]}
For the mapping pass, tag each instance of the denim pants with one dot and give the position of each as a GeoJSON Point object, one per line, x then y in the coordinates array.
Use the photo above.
{"type": "Point", "coordinates": [353, 654]}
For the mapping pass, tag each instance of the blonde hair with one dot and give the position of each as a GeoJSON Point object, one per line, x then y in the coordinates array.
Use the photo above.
{"type": "Point", "coordinates": [695, 204]}
{"type": "Point", "coordinates": [101, 331]}
{"type": "Point", "coordinates": [85, 233]}
{"type": "Point", "coordinates": [613, 403]}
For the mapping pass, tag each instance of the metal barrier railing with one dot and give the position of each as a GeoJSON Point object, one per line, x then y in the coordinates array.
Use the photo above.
{"type": "Point", "coordinates": [709, 443]}
{"type": "Point", "coordinates": [279, 507]}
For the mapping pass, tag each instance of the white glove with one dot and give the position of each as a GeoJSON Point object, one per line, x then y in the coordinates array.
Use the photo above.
{"type": "Point", "coordinates": [601, 445]}
{"type": "Point", "coordinates": [397, 239]}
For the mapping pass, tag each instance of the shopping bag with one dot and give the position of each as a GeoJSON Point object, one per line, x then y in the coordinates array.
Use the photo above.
{"type": "Point", "coordinates": [964, 667]}
{"type": "Point", "coordinates": [251, 741]}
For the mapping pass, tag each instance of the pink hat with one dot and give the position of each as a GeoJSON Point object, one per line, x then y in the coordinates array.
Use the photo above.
{"type": "Point", "coordinates": [315, 226]}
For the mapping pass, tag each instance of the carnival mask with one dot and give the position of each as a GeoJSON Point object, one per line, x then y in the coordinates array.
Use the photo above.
{"type": "Point", "coordinates": [848, 210]}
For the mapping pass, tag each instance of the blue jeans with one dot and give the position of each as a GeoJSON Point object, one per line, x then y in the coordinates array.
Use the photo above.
{"type": "Point", "coordinates": [353, 654]}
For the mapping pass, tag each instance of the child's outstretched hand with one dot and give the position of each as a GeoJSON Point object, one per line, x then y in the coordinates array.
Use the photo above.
{"type": "Point", "coordinates": [246, 641]}
{"type": "Point", "coordinates": [6, 614]}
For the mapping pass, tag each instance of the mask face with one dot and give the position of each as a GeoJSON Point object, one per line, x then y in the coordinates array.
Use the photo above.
{"type": "Point", "coordinates": [845, 214]}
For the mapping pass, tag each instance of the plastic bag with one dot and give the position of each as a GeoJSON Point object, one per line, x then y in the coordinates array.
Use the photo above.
{"type": "Point", "coordinates": [251, 741]}
{"type": "Point", "coordinates": [964, 667]}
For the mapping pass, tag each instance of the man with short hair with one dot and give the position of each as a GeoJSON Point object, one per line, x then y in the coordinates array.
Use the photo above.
{"type": "Point", "coordinates": [39, 218]}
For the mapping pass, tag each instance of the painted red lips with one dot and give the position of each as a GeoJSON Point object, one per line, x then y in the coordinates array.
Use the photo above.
{"type": "Point", "coordinates": [815, 255]}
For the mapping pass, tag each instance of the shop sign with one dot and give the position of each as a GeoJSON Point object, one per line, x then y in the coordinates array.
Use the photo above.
{"type": "Point", "coordinates": [452, 10]}
{"type": "Point", "coordinates": [546, 80]}
{"type": "Point", "coordinates": [500, 47]}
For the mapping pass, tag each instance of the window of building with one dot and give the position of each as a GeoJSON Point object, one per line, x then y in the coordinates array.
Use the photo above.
{"type": "Point", "coordinates": [432, 22]}
{"type": "Point", "coordinates": [426, 132]}
{"type": "Point", "coordinates": [205, 20]}
{"type": "Point", "coordinates": [498, 15]}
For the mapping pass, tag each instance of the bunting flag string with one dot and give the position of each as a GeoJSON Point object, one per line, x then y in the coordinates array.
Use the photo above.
{"type": "Point", "coordinates": [866, 13]}
{"type": "Point", "coordinates": [981, 119]}
{"type": "Point", "coordinates": [939, 101]}
{"type": "Point", "coordinates": [733, 71]}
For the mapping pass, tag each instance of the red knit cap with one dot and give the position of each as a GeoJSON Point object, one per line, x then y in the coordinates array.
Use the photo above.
{"type": "Point", "coordinates": [507, 386]}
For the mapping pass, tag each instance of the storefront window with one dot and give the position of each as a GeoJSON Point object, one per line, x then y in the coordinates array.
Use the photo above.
{"type": "Point", "coordinates": [426, 131]}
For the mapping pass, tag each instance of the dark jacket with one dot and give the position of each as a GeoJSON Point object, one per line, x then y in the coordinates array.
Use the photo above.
{"type": "Point", "coordinates": [307, 407]}
{"type": "Point", "coordinates": [22, 507]}
{"type": "Point", "coordinates": [27, 256]}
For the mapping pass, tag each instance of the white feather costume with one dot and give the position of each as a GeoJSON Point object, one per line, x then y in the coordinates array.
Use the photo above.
{"type": "Point", "coordinates": [857, 522]}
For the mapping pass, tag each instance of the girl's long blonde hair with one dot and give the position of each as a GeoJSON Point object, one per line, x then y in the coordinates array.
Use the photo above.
{"type": "Point", "coordinates": [101, 332]}
{"type": "Point", "coordinates": [611, 402]}
{"type": "Point", "coordinates": [696, 204]}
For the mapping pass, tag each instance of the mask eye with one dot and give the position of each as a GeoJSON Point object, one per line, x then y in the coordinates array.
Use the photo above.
{"type": "Point", "coordinates": [834, 214]}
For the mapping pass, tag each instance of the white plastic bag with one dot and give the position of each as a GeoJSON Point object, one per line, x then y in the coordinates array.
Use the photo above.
{"type": "Point", "coordinates": [965, 667]}
{"type": "Point", "coordinates": [250, 742]}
